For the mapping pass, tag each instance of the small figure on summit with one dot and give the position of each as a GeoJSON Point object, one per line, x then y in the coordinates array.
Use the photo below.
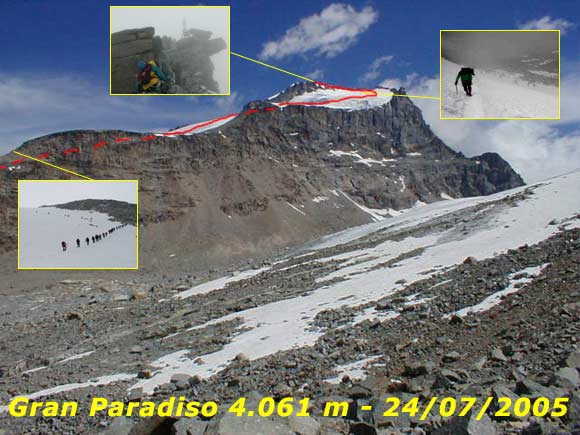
{"type": "Point", "coordinates": [466, 76]}
{"type": "Point", "coordinates": [150, 77]}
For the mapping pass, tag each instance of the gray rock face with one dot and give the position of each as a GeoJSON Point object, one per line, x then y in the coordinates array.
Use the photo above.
{"type": "Point", "coordinates": [467, 426]}
{"type": "Point", "coordinates": [128, 47]}
{"type": "Point", "coordinates": [186, 62]}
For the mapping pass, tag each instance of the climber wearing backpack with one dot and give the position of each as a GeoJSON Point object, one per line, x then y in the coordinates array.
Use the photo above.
{"type": "Point", "coordinates": [150, 77]}
{"type": "Point", "coordinates": [466, 76]}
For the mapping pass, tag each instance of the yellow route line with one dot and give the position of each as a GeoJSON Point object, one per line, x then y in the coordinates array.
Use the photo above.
{"type": "Point", "coordinates": [54, 166]}
{"type": "Point", "coordinates": [271, 66]}
{"type": "Point", "coordinates": [310, 80]}
{"type": "Point", "coordinates": [410, 96]}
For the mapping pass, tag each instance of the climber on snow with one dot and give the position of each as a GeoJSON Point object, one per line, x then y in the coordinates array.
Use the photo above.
{"type": "Point", "coordinates": [466, 76]}
{"type": "Point", "coordinates": [150, 77]}
{"type": "Point", "coordinates": [63, 244]}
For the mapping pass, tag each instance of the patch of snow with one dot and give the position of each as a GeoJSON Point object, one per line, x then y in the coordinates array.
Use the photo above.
{"type": "Point", "coordinates": [444, 195]}
{"type": "Point", "coordinates": [296, 208]}
{"type": "Point", "coordinates": [324, 94]}
{"type": "Point", "coordinates": [319, 199]}
{"type": "Point", "coordinates": [375, 213]}
{"type": "Point", "coordinates": [202, 129]}
{"type": "Point", "coordinates": [354, 370]}
{"type": "Point", "coordinates": [74, 357]}
{"type": "Point", "coordinates": [34, 370]}
{"type": "Point", "coordinates": [402, 181]}
{"type": "Point", "coordinates": [220, 283]}
{"type": "Point", "coordinates": [360, 159]}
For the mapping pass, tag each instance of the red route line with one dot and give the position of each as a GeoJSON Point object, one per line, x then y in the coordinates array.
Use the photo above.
{"type": "Point", "coordinates": [367, 94]}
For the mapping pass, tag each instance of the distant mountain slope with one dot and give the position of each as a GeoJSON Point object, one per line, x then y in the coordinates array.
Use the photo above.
{"type": "Point", "coordinates": [272, 176]}
{"type": "Point", "coordinates": [121, 211]}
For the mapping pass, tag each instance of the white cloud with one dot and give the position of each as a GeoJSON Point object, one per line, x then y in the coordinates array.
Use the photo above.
{"type": "Point", "coordinates": [317, 74]}
{"type": "Point", "coordinates": [230, 104]}
{"type": "Point", "coordinates": [535, 149]}
{"type": "Point", "coordinates": [375, 68]}
{"type": "Point", "coordinates": [547, 23]}
{"type": "Point", "coordinates": [328, 33]}
{"type": "Point", "coordinates": [411, 80]}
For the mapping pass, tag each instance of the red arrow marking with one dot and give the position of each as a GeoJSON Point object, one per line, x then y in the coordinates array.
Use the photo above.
{"type": "Point", "coordinates": [71, 150]}
{"type": "Point", "coordinates": [99, 144]}
{"type": "Point", "coordinates": [43, 156]}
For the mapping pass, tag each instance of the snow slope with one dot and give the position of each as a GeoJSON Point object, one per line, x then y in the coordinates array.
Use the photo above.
{"type": "Point", "coordinates": [334, 98]}
{"type": "Point", "coordinates": [42, 230]}
{"type": "Point", "coordinates": [496, 94]}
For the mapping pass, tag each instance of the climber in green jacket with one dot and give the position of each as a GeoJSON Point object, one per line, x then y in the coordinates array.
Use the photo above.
{"type": "Point", "coordinates": [466, 76]}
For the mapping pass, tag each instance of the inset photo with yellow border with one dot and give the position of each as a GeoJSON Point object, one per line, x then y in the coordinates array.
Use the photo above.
{"type": "Point", "coordinates": [170, 50]}
{"type": "Point", "coordinates": [78, 224]}
{"type": "Point", "coordinates": [500, 74]}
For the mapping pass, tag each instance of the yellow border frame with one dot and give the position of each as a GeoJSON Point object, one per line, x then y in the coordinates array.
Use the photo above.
{"type": "Point", "coordinates": [494, 119]}
{"type": "Point", "coordinates": [167, 95]}
{"type": "Point", "coordinates": [84, 268]}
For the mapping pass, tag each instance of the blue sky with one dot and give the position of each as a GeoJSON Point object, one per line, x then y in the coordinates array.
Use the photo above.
{"type": "Point", "coordinates": [56, 62]}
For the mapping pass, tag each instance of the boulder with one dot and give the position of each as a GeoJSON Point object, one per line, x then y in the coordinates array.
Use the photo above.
{"type": "Point", "coordinates": [189, 426]}
{"type": "Point", "coordinates": [467, 426]}
{"type": "Point", "coordinates": [566, 377]}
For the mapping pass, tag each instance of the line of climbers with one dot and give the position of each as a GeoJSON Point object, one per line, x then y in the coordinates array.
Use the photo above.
{"type": "Point", "coordinates": [96, 238]}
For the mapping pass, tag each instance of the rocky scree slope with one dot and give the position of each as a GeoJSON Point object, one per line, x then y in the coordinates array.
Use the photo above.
{"type": "Point", "coordinates": [268, 179]}
{"type": "Point", "coordinates": [474, 297]}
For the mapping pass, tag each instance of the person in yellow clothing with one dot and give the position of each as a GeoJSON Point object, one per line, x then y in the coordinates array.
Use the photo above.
{"type": "Point", "coordinates": [150, 77]}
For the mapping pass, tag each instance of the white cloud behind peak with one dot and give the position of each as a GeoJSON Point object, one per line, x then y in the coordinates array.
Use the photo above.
{"type": "Point", "coordinates": [328, 33]}
{"type": "Point", "coordinates": [547, 23]}
{"type": "Point", "coordinates": [374, 69]}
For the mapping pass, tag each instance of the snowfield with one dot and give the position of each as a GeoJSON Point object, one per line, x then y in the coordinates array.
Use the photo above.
{"type": "Point", "coordinates": [496, 94]}
{"type": "Point", "coordinates": [42, 230]}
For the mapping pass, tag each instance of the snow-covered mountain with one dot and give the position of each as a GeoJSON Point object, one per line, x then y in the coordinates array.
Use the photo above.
{"type": "Point", "coordinates": [313, 160]}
